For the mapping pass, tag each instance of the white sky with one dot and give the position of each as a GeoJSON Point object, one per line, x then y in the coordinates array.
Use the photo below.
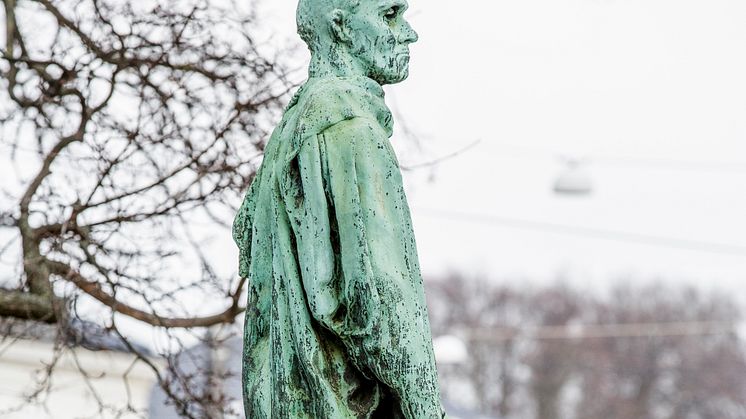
{"type": "Point", "coordinates": [654, 80]}
{"type": "Point", "coordinates": [662, 81]}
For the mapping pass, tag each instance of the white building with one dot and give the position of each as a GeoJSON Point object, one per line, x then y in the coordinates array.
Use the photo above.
{"type": "Point", "coordinates": [113, 378]}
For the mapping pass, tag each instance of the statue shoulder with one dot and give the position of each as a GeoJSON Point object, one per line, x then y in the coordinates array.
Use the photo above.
{"type": "Point", "coordinates": [357, 128]}
{"type": "Point", "coordinates": [326, 102]}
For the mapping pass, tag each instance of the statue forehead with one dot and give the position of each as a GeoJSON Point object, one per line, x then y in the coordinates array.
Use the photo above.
{"type": "Point", "coordinates": [313, 16]}
{"type": "Point", "coordinates": [321, 7]}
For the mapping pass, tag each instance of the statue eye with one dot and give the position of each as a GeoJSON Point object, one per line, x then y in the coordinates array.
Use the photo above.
{"type": "Point", "coordinates": [391, 13]}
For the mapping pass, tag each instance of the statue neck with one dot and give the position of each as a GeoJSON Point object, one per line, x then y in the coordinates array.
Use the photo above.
{"type": "Point", "coordinates": [335, 65]}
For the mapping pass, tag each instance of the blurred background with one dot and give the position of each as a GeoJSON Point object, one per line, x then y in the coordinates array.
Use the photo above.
{"type": "Point", "coordinates": [576, 171]}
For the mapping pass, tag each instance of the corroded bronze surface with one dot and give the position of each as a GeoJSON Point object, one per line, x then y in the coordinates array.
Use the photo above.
{"type": "Point", "coordinates": [337, 324]}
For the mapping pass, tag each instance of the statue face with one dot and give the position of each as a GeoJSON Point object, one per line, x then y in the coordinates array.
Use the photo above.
{"type": "Point", "coordinates": [380, 39]}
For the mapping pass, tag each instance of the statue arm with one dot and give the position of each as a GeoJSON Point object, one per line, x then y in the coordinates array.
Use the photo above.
{"type": "Point", "coordinates": [242, 228]}
{"type": "Point", "coordinates": [383, 319]}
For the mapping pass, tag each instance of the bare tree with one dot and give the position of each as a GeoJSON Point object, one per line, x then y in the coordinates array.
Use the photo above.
{"type": "Point", "coordinates": [126, 127]}
{"type": "Point", "coordinates": [553, 362]}
{"type": "Point", "coordinates": [689, 370]}
{"type": "Point", "coordinates": [657, 352]}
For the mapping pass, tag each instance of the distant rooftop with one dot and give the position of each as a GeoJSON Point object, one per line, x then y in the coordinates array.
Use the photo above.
{"type": "Point", "coordinates": [76, 332]}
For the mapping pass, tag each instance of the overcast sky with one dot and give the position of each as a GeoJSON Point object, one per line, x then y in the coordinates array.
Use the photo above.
{"type": "Point", "coordinates": [651, 93]}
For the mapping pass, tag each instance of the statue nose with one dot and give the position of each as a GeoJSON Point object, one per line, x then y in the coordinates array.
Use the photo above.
{"type": "Point", "coordinates": [409, 35]}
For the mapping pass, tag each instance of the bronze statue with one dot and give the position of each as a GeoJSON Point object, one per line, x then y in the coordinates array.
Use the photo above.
{"type": "Point", "coordinates": [337, 324]}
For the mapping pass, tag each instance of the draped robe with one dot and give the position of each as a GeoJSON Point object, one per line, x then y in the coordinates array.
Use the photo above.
{"type": "Point", "coordinates": [336, 323]}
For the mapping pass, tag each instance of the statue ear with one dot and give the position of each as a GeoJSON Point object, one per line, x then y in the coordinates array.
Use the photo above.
{"type": "Point", "coordinates": [338, 25]}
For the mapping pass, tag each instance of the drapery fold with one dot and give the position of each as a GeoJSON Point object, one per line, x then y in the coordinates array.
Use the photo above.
{"type": "Point", "coordinates": [336, 324]}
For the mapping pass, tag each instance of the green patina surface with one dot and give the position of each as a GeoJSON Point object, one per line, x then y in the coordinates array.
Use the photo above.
{"type": "Point", "coordinates": [337, 324]}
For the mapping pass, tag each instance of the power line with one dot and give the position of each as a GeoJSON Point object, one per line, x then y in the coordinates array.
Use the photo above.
{"type": "Point", "coordinates": [605, 331]}
{"type": "Point", "coordinates": [711, 247]}
{"type": "Point", "coordinates": [440, 159]}
{"type": "Point", "coordinates": [628, 162]}
{"type": "Point", "coordinates": [702, 166]}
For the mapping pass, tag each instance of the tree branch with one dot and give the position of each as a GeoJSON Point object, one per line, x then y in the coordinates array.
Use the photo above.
{"type": "Point", "coordinates": [47, 164]}
{"type": "Point", "coordinates": [24, 305]}
{"type": "Point", "coordinates": [117, 57]}
{"type": "Point", "coordinates": [95, 290]}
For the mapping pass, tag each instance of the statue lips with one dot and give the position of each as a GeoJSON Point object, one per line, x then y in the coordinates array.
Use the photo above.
{"type": "Point", "coordinates": [402, 59]}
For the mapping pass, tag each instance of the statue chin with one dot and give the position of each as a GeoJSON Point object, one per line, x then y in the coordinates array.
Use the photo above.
{"type": "Point", "coordinates": [392, 77]}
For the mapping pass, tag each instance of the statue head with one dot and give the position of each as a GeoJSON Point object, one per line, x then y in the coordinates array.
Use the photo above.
{"type": "Point", "coordinates": [357, 38]}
